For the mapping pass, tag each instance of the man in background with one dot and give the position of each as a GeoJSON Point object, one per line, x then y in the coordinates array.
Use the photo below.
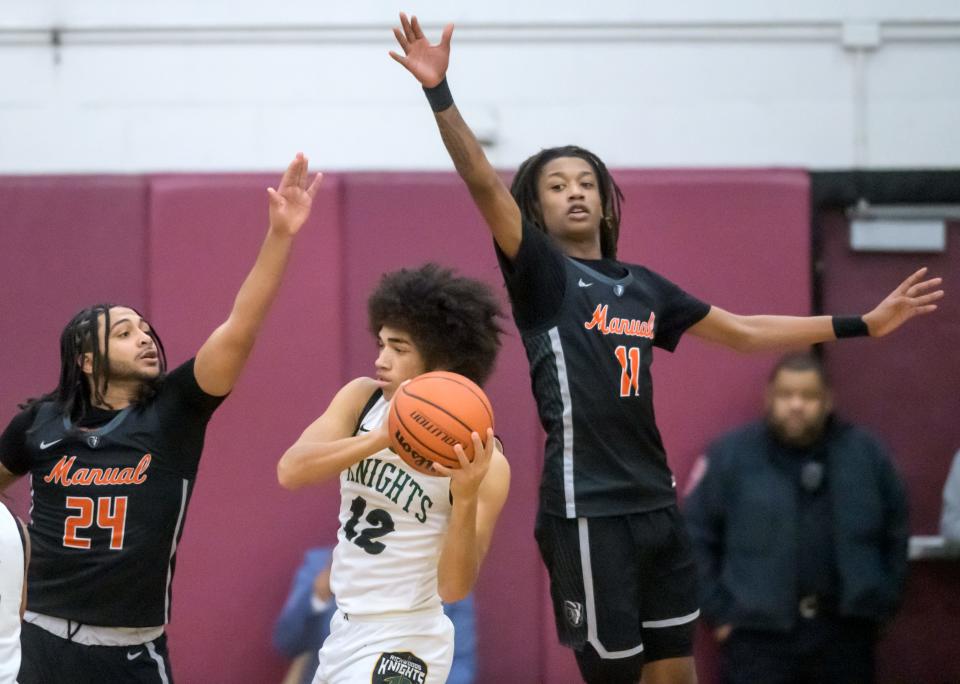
{"type": "Point", "coordinates": [800, 530]}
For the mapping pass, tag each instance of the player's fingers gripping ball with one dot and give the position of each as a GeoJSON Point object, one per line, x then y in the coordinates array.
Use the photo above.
{"type": "Point", "coordinates": [433, 413]}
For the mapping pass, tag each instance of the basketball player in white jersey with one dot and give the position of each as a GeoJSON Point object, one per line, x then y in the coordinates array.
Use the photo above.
{"type": "Point", "coordinates": [407, 541]}
{"type": "Point", "coordinates": [14, 559]}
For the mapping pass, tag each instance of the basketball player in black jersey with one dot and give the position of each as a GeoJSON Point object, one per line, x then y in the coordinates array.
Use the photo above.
{"type": "Point", "coordinates": [622, 575]}
{"type": "Point", "coordinates": [112, 454]}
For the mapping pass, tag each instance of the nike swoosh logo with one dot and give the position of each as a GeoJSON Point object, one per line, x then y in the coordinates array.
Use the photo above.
{"type": "Point", "coordinates": [47, 445]}
{"type": "Point", "coordinates": [131, 656]}
{"type": "Point", "coordinates": [583, 284]}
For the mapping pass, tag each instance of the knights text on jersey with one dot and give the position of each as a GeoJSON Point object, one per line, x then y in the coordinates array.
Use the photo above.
{"type": "Point", "coordinates": [590, 370]}
{"type": "Point", "coordinates": [392, 524]}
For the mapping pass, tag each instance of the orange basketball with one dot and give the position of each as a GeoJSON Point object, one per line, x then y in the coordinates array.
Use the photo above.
{"type": "Point", "coordinates": [434, 412]}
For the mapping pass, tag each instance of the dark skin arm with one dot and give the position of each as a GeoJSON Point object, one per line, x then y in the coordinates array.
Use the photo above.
{"type": "Point", "coordinates": [428, 63]}
{"type": "Point", "coordinates": [223, 356]}
{"type": "Point", "coordinates": [913, 297]}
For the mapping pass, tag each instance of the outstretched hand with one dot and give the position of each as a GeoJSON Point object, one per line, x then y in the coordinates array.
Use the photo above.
{"type": "Point", "coordinates": [465, 481]}
{"type": "Point", "coordinates": [290, 203]}
{"type": "Point", "coordinates": [428, 63]}
{"type": "Point", "coordinates": [912, 297]}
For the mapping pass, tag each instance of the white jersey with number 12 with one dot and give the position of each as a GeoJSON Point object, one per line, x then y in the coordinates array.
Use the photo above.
{"type": "Point", "coordinates": [393, 520]}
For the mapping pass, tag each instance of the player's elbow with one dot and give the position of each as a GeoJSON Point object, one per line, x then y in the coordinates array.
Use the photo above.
{"type": "Point", "coordinates": [286, 474]}
{"type": "Point", "coordinates": [728, 330]}
{"type": "Point", "coordinates": [743, 338]}
{"type": "Point", "coordinates": [747, 344]}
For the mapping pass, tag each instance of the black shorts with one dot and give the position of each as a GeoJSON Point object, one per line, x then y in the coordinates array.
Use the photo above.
{"type": "Point", "coordinates": [47, 658]}
{"type": "Point", "coordinates": [624, 584]}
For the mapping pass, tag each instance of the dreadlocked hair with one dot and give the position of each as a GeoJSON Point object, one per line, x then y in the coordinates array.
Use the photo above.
{"type": "Point", "coordinates": [452, 320]}
{"type": "Point", "coordinates": [524, 191]}
{"type": "Point", "coordinates": [80, 336]}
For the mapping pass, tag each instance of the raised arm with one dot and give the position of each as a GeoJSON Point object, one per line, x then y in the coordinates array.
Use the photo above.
{"type": "Point", "coordinates": [479, 490]}
{"type": "Point", "coordinates": [913, 297]}
{"type": "Point", "coordinates": [224, 354]}
{"type": "Point", "coordinates": [428, 63]}
{"type": "Point", "coordinates": [329, 446]}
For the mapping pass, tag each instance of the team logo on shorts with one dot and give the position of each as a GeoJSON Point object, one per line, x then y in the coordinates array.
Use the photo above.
{"type": "Point", "coordinates": [573, 612]}
{"type": "Point", "coordinates": [399, 668]}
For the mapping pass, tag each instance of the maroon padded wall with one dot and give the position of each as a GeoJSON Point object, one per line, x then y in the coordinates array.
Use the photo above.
{"type": "Point", "coordinates": [878, 381]}
{"type": "Point", "coordinates": [244, 535]}
{"type": "Point", "coordinates": [66, 242]}
{"type": "Point", "coordinates": [179, 246]}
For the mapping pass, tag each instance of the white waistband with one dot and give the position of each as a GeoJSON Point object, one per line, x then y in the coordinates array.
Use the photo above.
{"type": "Point", "coordinates": [93, 635]}
{"type": "Point", "coordinates": [394, 616]}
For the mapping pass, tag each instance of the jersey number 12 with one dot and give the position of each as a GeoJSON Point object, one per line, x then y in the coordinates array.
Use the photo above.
{"type": "Point", "coordinates": [380, 521]}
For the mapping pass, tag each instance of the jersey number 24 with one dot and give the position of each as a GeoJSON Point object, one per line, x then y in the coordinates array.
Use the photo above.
{"type": "Point", "coordinates": [111, 514]}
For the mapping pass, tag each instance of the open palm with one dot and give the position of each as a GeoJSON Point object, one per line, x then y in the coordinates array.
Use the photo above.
{"type": "Point", "coordinates": [428, 63]}
{"type": "Point", "coordinates": [912, 297]}
{"type": "Point", "coordinates": [290, 203]}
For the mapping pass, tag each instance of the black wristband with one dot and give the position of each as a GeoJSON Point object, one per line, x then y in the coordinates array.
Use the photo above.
{"type": "Point", "coordinates": [849, 326]}
{"type": "Point", "coordinates": [439, 96]}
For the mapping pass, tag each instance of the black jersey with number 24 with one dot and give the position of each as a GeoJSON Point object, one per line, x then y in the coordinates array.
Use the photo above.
{"type": "Point", "coordinates": [108, 503]}
{"type": "Point", "coordinates": [589, 328]}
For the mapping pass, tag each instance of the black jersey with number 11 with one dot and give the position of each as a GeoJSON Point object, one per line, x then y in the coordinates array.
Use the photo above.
{"type": "Point", "coordinates": [589, 328]}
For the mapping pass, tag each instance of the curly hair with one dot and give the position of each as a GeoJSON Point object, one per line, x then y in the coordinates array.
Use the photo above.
{"type": "Point", "coordinates": [525, 193]}
{"type": "Point", "coordinates": [452, 320]}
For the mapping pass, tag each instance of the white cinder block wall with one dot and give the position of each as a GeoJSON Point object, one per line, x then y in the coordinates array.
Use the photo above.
{"type": "Point", "coordinates": [236, 85]}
